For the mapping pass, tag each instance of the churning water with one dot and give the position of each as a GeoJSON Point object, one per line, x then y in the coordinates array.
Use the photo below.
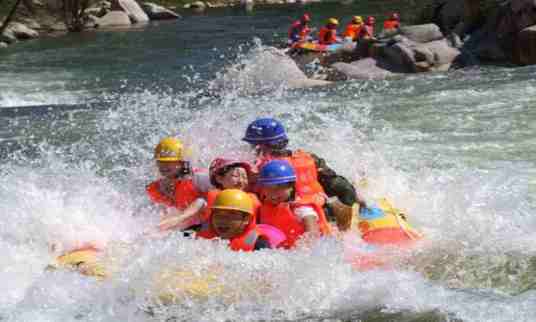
{"type": "Point", "coordinates": [80, 118]}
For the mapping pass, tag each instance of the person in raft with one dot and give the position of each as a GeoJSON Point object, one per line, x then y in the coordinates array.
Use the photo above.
{"type": "Point", "coordinates": [315, 179]}
{"type": "Point", "coordinates": [283, 209]}
{"type": "Point", "coordinates": [181, 191]}
{"type": "Point", "coordinates": [233, 219]}
{"type": "Point", "coordinates": [367, 31]}
{"type": "Point", "coordinates": [392, 23]}
{"type": "Point", "coordinates": [228, 174]}
{"type": "Point", "coordinates": [299, 30]}
{"type": "Point", "coordinates": [353, 29]}
{"type": "Point", "coordinates": [328, 34]}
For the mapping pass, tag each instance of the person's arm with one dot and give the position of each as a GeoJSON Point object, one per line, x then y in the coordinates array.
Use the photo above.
{"type": "Point", "coordinates": [185, 218]}
{"type": "Point", "coordinates": [310, 224]}
{"type": "Point", "coordinates": [335, 185]}
{"type": "Point", "coordinates": [309, 218]}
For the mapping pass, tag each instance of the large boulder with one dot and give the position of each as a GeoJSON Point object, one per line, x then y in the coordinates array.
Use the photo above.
{"type": "Point", "coordinates": [156, 12]}
{"type": "Point", "coordinates": [366, 68]}
{"type": "Point", "coordinates": [114, 19]}
{"type": "Point", "coordinates": [197, 6]}
{"type": "Point", "coordinates": [99, 9]}
{"type": "Point", "coordinates": [132, 8]}
{"type": "Point", "coordinates": [8, 37]}
{"type": "Point", "coordinates": [526, 44]}
{"type": "Point", "coordinates": [449, 15]}
{"type": "Point", "coordinates": [21, 31]}
{"type": "Point", "coordinates": [30, 23]}
{"type": "Point", "coordinates": [422, 33]}
{"type": "Point", "coordinates": [400, 55]}
{"type": "Point", "coordinates": [410, 56]}
{"type": "Point", "coordinates": [441, 52]}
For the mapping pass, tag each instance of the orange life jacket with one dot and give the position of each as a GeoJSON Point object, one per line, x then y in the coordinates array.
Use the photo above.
{"type": "Point", "coordinates": [283, 218]}
{"type": "Point", "coordinates": [245, 242]}
{"type": "Point", "coordinates": [327, 36]}
{"type": "Point", "coordinates": [391, 24]}
{"type": "Point", "coordinates": [298, 32]}
{"type": "Point", "coordinates": [352, 30]}
{"type": "Point", "coordinates": [211, 197]}
{"type": "Point", "coordinates": [307, 185]}
{"type": "Point", "coordinates": [185, 194]}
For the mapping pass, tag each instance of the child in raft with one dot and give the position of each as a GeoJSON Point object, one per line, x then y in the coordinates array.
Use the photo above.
{"type": "Point", "coordinates": [229, 174]}
{"type": "Point", "coordinates": [181, 192]}
{"type": "Point", "coordinates": [232, 218]}
{"type": "Point", "coordinates": [223, 174]}
{"type": "Point", "coordinates": [282, 209]}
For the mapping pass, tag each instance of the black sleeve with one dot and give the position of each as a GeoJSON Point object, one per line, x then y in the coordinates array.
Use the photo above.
{"type": "Point", "coordinates": [261, 243]}
{"type": "Point", "coordinates": [333, 184]}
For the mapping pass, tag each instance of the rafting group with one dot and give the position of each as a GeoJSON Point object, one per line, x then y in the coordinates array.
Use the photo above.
{"type": "Point", "coordinates": [357, 30]}
{"type": "Point", "coordinates": [279, 200]}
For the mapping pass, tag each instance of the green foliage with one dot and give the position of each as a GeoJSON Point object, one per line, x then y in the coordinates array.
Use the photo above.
{"type": "Point", "coordinates": [5, 6]}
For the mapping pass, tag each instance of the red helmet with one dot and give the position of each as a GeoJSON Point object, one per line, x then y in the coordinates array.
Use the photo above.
{"type": "Point", "coordinates": [395, 16]}
{"type": "Point", "coordinates": [305, 18]}
{"type": "Point", "coordinates": [218, 164]}
{"type": "Point", "coordinates": [370, 20]}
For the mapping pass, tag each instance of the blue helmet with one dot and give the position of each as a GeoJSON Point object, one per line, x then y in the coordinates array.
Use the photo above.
{"type": "Point", "coordinates": [265, 131]}
{"type": "Point", "coordinates": [276, 172]}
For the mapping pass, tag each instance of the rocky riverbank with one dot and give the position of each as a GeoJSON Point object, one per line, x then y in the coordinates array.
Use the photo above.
{"type": "Point", "coordinates": [453, 36]}
{"type": "Point", "coordinates": [492, 31]}
{"type": "Point", "coordinates": [37, 18]}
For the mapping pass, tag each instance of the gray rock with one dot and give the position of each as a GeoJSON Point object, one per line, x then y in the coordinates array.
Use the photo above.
{"type": "Point", "coordinates": [451, 14]}
{"type": "Point", "coordinates": [423, 54]}
{"type": "Point", "coordinates": [526, 43]}
{"type": "Point", "coordinates": [198, 6]}
{"type": "Point", "coordinates": [441, 51]}
{"type": "Point", "coordinates": [91, 21]}
{"type": "Point", "coordinates": [22, 31]}
{"type": "Point", "coordinates": [30, 23]}
{"type": "Point", "coordinates": [366, 68]}
{"type": "Point", "coordinates": [97, 12]}
{"type": "Point", "coordinates": [8, 37]}
{"type": "Point", "coordinates": [132, 8]}
{"type": "Point", "coordinates": [156, 12]}
{"type": "Point", "coordinates": [114, 19]}
{"type": "Point", "coordinates": [104, 4]}
{"type": "Point", "coordinates": [3, 44]}
{"type": "Point", "coordinates": [402, 56]}
{"type": "Point", "coordinates": [519, 5]}
{"type": "Point", "coordinates": [422, 33]}
{"type": "Point", "coordinates": [490, 50]}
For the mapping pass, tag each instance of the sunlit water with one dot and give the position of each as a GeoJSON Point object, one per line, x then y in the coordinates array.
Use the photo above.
{"type": "Point", "coordinates": [80, 118]}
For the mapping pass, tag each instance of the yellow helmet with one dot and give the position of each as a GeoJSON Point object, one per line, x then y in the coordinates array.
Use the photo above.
{"type": "Point", "coordinates": [169, 149]}
{"type": "Point", "coordinates": [357, 19]}
{"type": "Point", "coordinates": [234, 199]}
{"type": "Point", "coordinates": [333, 21]}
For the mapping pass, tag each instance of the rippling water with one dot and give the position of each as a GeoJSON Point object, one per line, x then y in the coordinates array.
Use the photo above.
{"type": "Point", "coordinates": [80, 115]}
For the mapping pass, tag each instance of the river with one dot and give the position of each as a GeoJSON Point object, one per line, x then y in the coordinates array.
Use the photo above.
{"type": "Point", "coordinates": [81, 114]}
